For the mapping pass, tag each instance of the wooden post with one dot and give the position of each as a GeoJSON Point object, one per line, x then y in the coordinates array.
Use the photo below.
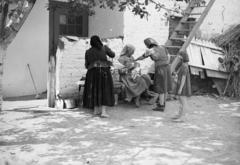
{"type": "Point", "coordinates": [53, 37]}
{"type": "Point", "coordinates": [2, 55]}
{"type": "Point", "coordinates": [51, 92]}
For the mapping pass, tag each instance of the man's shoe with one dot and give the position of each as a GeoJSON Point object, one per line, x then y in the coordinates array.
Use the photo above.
{"type": "Point", "coordinates": [158, 104]}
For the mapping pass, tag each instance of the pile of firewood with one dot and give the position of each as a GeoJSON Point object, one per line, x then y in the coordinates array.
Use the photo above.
{"type": "Point", "coordinates": [229, 42]}
{"type": "Point", "coordinates": [206, 88]}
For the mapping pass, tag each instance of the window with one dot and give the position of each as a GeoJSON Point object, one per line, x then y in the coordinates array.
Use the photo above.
{"type": "Point", "coordinates": [71, 25]}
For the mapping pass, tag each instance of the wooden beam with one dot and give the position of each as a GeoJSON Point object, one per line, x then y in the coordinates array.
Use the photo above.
{"type": "Point", "coordinates": [220, 84]}
{"type": "Point", "coordinates": [200, 44]}
{"type": "Point", "coordinates": [196, 13]}
{"type": "Point", "coordinates": [207, 46]}
{"type": "Point", "coordinates": [189, 22]}
{"type": "Point", "coordinates": [205, 67]}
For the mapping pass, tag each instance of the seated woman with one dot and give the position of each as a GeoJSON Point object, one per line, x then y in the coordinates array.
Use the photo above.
{"type": "Point", "coordinates": [134, 85]}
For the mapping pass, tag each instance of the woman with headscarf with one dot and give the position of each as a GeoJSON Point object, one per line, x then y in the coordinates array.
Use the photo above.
{"type": "Point", "coordinates": [183, 87]}
{"type": "Point", "coordinates": [98, 89]}
{"type": "Point", "coordinates": [162, 77]}
{"type": "Point", "coordinates": [133, 88]}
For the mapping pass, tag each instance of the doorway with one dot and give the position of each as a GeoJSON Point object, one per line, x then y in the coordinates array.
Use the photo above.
{"type": "Point", "coordinates": [61, 23]}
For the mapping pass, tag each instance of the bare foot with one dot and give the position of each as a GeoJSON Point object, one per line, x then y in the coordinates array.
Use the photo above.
{"type": "Point", "coordinates": [137, 102]}
{"type": "Point", "coordinates": [175, 117]}
{"type": "Point", "coordinates": [127, 100]}
{"type": "Point", "coordinates": [179, 120]}
{"type": "Point", "coordinates": [96, 111]}
{"type": "Point", "coordinates": [104, 115]}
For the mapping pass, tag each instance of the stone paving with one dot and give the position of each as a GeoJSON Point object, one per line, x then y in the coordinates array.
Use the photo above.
{"type": "Point", "coordinates": [132, 136]}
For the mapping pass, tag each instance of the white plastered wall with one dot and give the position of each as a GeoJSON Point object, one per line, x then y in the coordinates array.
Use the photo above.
{"type": "Point", "coordinates": [222, 15]}
{"type": "Point", "coordinates": [106, 23]}
{"type": "Point", "coordinates": [29, 47]}
{"type": "Point", "coordinates": [137, 29]}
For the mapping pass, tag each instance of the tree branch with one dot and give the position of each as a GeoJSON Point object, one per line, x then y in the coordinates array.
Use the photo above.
{"type": "Point", "coordinates": [3, 17]}
{"type": "Point", "coordinates": [17, 19]}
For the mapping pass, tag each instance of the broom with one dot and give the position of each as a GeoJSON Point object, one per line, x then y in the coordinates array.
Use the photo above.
{"type": "Point", "coordinates": [37, 95]}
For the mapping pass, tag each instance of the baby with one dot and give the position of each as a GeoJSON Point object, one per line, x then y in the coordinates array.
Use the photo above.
{"type": "Point", "coordinates": [136, 72]}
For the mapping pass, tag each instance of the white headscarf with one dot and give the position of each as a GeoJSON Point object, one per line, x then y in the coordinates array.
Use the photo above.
{"type": "Point", "coordinates": [126, 49]}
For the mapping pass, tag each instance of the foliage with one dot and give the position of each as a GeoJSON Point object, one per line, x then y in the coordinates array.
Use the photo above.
{"type": "Point", "coordinates": [138, 7]}
{"type": "Point", "coordinates": [229, 41]}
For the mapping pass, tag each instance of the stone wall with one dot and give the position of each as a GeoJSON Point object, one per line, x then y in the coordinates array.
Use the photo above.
{"type": "Point", "coordinates": [70, 62]}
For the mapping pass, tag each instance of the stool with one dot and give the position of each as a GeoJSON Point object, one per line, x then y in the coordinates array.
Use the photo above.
{"type": "Point", "coordinates": [117, 88]}
{"type": "Point", "coordinates": [80, 85]}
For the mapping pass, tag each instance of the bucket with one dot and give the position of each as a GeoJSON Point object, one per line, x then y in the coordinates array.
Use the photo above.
{"type": "Point", "coordinates": [59, 103]}
{"type": "Point", "coordinates": [70, 103]}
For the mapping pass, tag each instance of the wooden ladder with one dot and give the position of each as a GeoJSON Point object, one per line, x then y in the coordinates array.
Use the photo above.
{"type": "Point", "coordinates": [189, 33]}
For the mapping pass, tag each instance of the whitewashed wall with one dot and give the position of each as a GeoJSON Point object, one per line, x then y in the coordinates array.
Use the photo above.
{"type": "Point", "coordinates": [222, 15]}
{"type": "Point", "coordinates": [106, 23]}
{"type": "Point", "coordinates": [29, 47]}
{"type": "Point", "coordinates": [137, 29]}
{"type": "Point", "coordinates": [70, 62]}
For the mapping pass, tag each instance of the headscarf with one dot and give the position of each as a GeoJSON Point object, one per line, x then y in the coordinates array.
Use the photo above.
{"type": "Point", "coordinates": [184, 55]}
{"type": "Point", "coordinates": [96, 42]}
{"type": "Point", "coordinates": [150, 42]}
{"type": "Point", "coordinates": [126, 49]}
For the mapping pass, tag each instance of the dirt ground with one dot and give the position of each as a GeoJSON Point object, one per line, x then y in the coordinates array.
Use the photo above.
{"type": "Point", "coordinates": [35, 135]}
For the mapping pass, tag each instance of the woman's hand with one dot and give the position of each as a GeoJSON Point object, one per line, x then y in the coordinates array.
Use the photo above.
{"type": "Point", "coordinates": [179, 91]}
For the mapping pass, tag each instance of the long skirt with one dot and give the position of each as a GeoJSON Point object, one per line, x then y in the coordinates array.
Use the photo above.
{"type": "Point", "coordinates": [98, 88]}
{"type": "Point", "coordinates": [133, 88]}
{"type": "Point", "coordinates": [162, 80]}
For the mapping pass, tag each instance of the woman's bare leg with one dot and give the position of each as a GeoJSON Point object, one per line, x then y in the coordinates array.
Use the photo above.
{"type": "Point", "coordinates": [161, 105]}
{"type": "Point", "coordinates": [165, 96]}
{"type": "Point", "coordinates": [161, 99]}
{"type": "Point", "coordinates": [96, 110]}
{"type": "Point", "coordinates": [104, 114]}
{"type": "Point", "coordinates": [116, 99]}
{"type": "Point", "coordinates": [184, 106]}
{"type": "Point", "coordinates": [137, 101]}
{"type": "Point", "coordinates": [182, 112]}
{"type": "Point", "coordinates": [179, 111]}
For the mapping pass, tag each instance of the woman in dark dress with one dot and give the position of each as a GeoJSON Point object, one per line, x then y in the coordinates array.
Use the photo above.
{"type": "Point", "coordinates": [162, 77]}
{"type": "Point", "coordinates": [98, 89]}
